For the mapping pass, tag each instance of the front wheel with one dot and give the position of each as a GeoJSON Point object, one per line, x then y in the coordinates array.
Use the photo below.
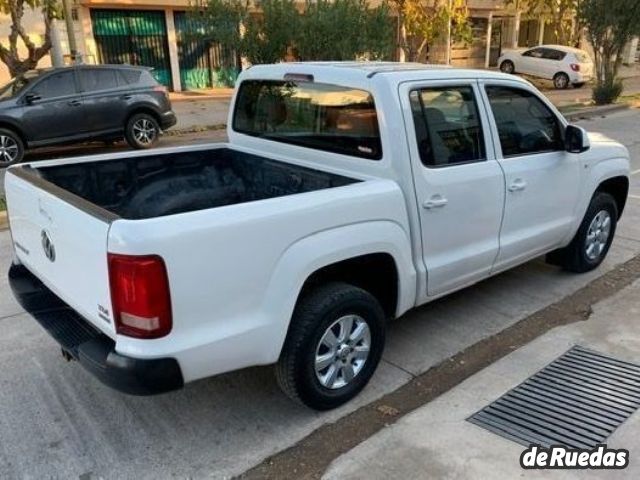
{"type": "Point", "coordinates": [11, 148]}
{"type": "Point", "coordinates": [591, 243]}
{"type": "Point", "coordinates": [333, 346]}
{"type": "Point", "coordinates": [142, 131]}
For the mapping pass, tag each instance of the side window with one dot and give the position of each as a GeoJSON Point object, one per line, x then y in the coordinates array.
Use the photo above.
{"type": "Point", "coordinates": [129, 76]}
{"type": "Point", "coordinates": [56, 85]}
{"type": "Point", "coordinates": [525, 124]}
{"type": "Point", "coordinates": [534, 52]}
{"type": "Point", "coordinates": [447, 124]}
{"type": "Point", "coordinates": [550, 54]}
{"type": "Point", "coordinates": [95, 79]}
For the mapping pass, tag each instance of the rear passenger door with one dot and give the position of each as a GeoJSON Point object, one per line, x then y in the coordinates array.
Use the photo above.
{"type": "Point", "coordinates": [459, 185]}
{"type": "Point", "coordinates": [105, 98]}
{"type": "Point", "coordinates": [542, 179]}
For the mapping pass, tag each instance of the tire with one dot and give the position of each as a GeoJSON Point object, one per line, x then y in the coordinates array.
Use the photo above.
{"type": "Point", "coordinates": [575, 257]}
{"type": "Point", "coordinates": [561, 81]}
{"type": "Point", "coordinates": [330, 305]}
{"type": "Point", "coordinates": [507, 67]}
{"type": "Point", "coordinates": [11, 148]}
{"type": "Point", "coordinates": [578, 85]}
{"type": "Point", "coordinates": [142, 131]}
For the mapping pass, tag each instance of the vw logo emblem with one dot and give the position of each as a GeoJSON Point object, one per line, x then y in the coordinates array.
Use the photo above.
{"type": "Point", "coordinates": [47, 246]}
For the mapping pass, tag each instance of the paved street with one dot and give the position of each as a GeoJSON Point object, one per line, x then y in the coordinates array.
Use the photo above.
{"type": "Point", "coordinates": [56, 420]}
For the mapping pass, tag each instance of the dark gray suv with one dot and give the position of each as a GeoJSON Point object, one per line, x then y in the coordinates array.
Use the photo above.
{"type": "Point", "coordinates": [80, 103]}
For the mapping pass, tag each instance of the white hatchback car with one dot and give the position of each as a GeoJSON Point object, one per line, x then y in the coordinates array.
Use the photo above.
{"type": "Point", "coordinates": [563, 65]}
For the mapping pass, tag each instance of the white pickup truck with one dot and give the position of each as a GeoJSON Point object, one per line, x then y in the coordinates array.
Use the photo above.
{"type": "Point", "coordinates": [348, 194]}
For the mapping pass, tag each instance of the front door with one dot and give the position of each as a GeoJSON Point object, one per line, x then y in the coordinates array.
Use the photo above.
{"type": "Point", "coordinates": [459, 184]}
{"type": "Point", "coordinates": [542, 179]}
{"type": "Point", "coordinates": [53, 108]}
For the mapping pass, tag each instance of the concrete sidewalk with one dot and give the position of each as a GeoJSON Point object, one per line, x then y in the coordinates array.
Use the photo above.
{"type": "Point", "coordinates": [436, 441]}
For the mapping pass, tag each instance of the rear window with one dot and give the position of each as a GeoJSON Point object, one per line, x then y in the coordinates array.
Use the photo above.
{"type": "Point", "coordinates": [314, 115]}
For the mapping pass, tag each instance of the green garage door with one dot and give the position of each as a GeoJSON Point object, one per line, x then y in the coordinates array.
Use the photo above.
{"type": "Point", "coordinates": [136, 37]}
{"type": "Point", "coordinates": [202, 64]}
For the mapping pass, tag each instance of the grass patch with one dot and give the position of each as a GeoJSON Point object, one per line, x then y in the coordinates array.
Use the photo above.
{"type": "Point", "coordinates": [3, 204]}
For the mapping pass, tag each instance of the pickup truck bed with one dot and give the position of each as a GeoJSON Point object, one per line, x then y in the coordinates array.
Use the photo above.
{"type": "Point", "coordinates": [171, 183]}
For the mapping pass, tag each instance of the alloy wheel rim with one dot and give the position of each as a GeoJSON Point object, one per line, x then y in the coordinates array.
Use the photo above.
{"type": "Point", "coordinates": [561, 81]}
{"type": "Point", "coordinates": [598, 235]}
{"type": "Point", "coordinates": [8, 149]}
{"type": "Point", "coordinates": [342, 352]}
{"type": "Point", "coordinates": [508, 68]}
{"type": "Point", "coordinates": [144, 131]}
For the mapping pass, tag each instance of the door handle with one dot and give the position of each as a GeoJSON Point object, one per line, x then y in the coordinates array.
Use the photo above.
{"type": "Point", "coordinates": [126, 97]}
{"type": "Point", "coordinates": [518, 185]}
{"type": "Point", "coordinates": [436, 201]}
{"type": "Point", "coordinates": [73, 103]}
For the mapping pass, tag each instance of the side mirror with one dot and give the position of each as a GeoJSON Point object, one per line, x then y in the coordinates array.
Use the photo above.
{"type": "Point", "coordinates": [31, 97]}
{"type": "Point", "coordinates": [576, 139]}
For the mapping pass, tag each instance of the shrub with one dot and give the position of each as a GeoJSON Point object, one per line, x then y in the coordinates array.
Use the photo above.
{"type": "Point", "coordinates": [607, 92]}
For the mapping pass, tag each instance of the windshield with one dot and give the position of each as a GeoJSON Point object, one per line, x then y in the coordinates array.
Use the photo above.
{"type": "Point", "coordinates": [14, 87]}
{"type": "Point", "coordinates": [313, 115]}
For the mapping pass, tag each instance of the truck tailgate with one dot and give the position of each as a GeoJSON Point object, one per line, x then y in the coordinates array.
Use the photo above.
{"type": "Point", "coordinates": [61, 244]}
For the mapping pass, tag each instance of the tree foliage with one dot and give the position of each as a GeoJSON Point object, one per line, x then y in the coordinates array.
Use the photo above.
{"type": "Point", "coordinates": [610, 25]}
{"type": "Point", "coordinates": [344, 30]}
{"type": "Point", "coordinates": [268, 37]}
{"type": "Point", "coordinates": [278, 29]}
{"type": "Point", "coordinates": [218, 21]}
{"type": "Point", "coordinates": [561, 15]}
{"type": "Point", "coordinates": [10, 54]}
{"type": "Point", "coordinates": [422, 22]}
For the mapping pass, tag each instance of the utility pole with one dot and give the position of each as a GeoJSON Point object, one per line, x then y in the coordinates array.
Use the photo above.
{"type": "Point", "coordinates": [71, 34]}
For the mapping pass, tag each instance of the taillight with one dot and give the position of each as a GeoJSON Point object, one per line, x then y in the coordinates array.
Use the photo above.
{"type": "Point", "coordinates": [161, 89]}
{"type": "Point", "coordinates": [140, 295]}
{"type": "Point", "coordinates": [575, 67]}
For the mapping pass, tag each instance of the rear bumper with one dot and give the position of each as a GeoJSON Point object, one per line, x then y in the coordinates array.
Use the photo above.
{"type": "Point", "coordinates": [168, 120]}
{"type": "Point", "coordinates": [93, 349]}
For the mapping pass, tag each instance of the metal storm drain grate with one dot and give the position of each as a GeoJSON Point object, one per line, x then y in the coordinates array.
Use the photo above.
{"type": "Point", "coordinates": [577, 401]}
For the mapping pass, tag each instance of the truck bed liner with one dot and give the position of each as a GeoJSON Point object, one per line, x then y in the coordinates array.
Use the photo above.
{"type": "Point", "coordinates": [178, 182]}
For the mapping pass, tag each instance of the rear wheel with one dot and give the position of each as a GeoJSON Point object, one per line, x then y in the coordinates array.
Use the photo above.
{"type": "Point", "coordinates": [561, 81]}
{"type": "Point", "coordinates": [11, 148]}
{"type": "Point", "coordinates": [507, 67]}
{"type": "Point", "coordinates": [333, 346]}
{"type": "Point", "coordinates": [591, 243]}
{"type": "Point", "coordinates": [142, 131]}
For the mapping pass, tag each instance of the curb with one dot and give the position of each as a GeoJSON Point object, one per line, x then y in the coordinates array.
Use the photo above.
{"type": "Point", "coordinates": [4, 223]}
{"type": "Point", "coordinates": [590, 112]}
{"type": "Point", "coordinates": [194, 129]}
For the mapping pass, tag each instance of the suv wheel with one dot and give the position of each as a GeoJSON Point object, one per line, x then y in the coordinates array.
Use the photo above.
{"type": "Point", "coordinates": [11, 148]}
{"type": "Point", "coordinates": [589, 247]}
{"type": "Point", "coordinates": [561, 81]}
{"type": "Point", "coordinates": [333, 346]}
{"type": "Point", "coordinates": [142, 131]}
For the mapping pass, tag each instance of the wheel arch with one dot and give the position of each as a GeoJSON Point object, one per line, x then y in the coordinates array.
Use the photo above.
{"type": "Point", "coordinates": [618, 188]}
{"type": "Point", "coordinates": [15, 129]}
{"type": "Point", "coordinates": [149, 110]}
{"type": "Point", "coordinates": [349, 253]}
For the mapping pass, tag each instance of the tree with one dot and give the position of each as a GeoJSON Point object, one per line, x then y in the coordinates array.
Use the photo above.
{"type": "Point", "coordinates": [610, 25]}
{"type": "Point", "coordinates": [10, 55]}
{"type": "Point", "coordinates": [559, 13]}
{"type": "Point", "coordinates": [218, 21]}
{"type": "Point", "coordinates": [344, 30]}
{"type": "Point", "coordinates": [424, 21]}
{"type": "Point", "coordinates": [268, 37]}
